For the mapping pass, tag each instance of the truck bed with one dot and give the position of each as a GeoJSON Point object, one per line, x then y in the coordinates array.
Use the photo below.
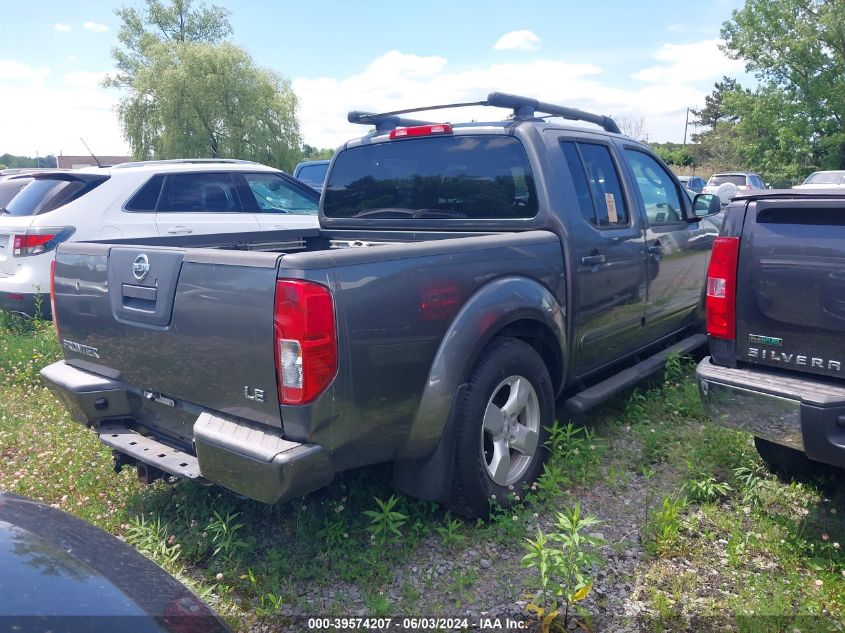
{"type": "Point", "coordinates": [197, 329]}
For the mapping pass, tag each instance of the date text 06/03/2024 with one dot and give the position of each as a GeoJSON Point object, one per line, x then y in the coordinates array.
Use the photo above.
{"type": "Point", "coordinates": [416, 624]}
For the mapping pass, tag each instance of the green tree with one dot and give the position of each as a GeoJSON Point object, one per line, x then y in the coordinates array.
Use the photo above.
{"type": "Point", "coordinates": [190, 94]}
{"type": "Point", "coordinates": [143, 29]}
{"type": "Point", "coordinates": [714, 110]}
{"type": "Point", "coordinates": [313, 153]}
{"type": "Point", "coordinates": [796, 49]}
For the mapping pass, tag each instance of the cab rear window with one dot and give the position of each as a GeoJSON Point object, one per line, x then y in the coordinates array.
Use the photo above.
{"type": "Point", "coordinates": [442, 177]}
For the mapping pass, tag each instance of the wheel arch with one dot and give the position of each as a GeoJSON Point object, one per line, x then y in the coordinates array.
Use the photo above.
{"type": "Point", "coordinates": [514, 306]}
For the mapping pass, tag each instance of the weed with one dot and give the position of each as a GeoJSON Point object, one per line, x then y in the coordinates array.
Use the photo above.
{"type": "Point", "coordinates": [661, 531]}
{"type": "Point", "coordinates": [553, 478]}
{"type": "Point", "coordinates": [224, 535]}
{"type": "Point", "coordinates": [461, 581]}
{"type": "Point", "coordinates": [334, 532]}
{"type": "Point", "coordinates": [562, 560]}
{"type": "Point", "coordinates": [151, 537]}
{"type": "Point", "coordinates": [750, 479]}
{"type": "Point", "coordinates": [705, 489]}
{"type": "Point", "coordinates": [378, 605]}
{"type": "Point", "coordinates": [17, 324]}
{"type": "Point", "coordinates": [675, 370]}
{"type": "Point", "coordinates": [450, 532]}
{"type": "Point", "coordinates": [385, 522]}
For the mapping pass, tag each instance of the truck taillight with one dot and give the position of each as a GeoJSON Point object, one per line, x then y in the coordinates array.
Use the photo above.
{"type": "Point", "coordinates": [721, 288]}
{"type": "Point", "coordinates": [306, 341]}
{"type": "Point", "coordinates": [53, 299]}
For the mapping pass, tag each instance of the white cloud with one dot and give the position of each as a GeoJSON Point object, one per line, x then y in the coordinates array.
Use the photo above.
{"type": "Point", "coordinates": [51, 119]}
{"type": "Point", "coordinates": [85, 78]}
{"type": "Point", "coordinates": [72, 58]}
{"type": "Point", "coordinates": [19, 72]}
{"type": "Point", "coordinates": [50, 114]}
{"type": "Point", "coordinates": [64, 28]}
{"type": "Point", "coordinates": [95, 26]}
{"type": "Point", "coordinates": [687, 63]}
{"type": "Point", "coordinates": [518, 41]}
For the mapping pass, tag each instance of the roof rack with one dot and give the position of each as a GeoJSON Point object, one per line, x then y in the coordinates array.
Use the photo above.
{"type": "Point", "coordinates": [524, 108]}
{"type": "Point", "coordinates": [185, 161]}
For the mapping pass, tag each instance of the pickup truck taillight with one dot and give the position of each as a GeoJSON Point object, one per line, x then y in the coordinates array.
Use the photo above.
{"type": "Point", "coordinates": [41, 240]}
{"type": "Point", "coordinates": [721, 288]}
{"type": "Point", "coordinates": [306, 342]}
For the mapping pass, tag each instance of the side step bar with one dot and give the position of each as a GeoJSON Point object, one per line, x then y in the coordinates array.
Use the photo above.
{"type": "Point", "coordinates": [149, 451]}
{"type": "Point", "coordinates": [606, 389]}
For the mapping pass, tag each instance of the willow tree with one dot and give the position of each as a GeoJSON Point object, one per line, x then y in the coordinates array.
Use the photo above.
{"type": "Point", "coordinates": [189, 93]}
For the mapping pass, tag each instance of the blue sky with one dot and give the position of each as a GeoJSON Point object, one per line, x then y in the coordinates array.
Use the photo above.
{"type": "Point", "coordinates": [645, 61]}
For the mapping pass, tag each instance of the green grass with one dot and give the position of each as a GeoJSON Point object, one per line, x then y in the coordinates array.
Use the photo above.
{"type": "Point", "coordinates": [742, 542]}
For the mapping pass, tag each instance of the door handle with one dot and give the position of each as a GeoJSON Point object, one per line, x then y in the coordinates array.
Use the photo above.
{"type": "Point", "coordinates": [655, 249]}
{"type": "Point", "coordinates": [179, 229]}
{"type": "Point", "coordinates": [593, 260]}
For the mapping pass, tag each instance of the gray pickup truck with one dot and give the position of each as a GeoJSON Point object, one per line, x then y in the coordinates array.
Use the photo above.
{"type": "Point", "coordinates": [464, 276]}
{"type": "Point", "coordinates": [776, 319]}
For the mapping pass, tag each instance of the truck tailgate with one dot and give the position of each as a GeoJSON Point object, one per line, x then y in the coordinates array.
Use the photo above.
{"type": "Point", "coordinates": [188, 325]}
{"type": "Point", "coordinates": [791, 286]}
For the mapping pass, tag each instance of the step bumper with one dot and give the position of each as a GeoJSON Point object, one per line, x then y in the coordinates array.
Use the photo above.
{"type": "Point", "coordinates": [250, 459]}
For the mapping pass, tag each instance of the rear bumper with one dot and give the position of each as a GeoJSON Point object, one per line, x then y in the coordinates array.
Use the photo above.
{"type": "Point", "coordinates": [25, 303]}
{"type": "Point", "coordinates": [250, 459]}
{"type": "Point", "coordinates": [805, 414]}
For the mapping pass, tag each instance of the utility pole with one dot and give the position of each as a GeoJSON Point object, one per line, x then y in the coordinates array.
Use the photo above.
{"type": "Point", "coordinates": [686, 125]}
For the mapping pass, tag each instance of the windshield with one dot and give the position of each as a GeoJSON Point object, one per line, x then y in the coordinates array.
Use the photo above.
{"type": "Point", "coordinates": [720, 179]}
{"type": "Point", "coordinates": [442, 177]}
{"type": "Point", "coordinates": [43, 195]}
{"type": "Point", "coordinates": [826, 178]}
{"type": "Point", "coordinates": [313, 174]}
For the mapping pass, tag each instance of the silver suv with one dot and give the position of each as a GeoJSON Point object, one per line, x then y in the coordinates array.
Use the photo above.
{"type": "Point", "coordinates": [743, 181]}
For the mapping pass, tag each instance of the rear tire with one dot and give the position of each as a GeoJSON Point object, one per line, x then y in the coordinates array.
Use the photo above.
{"type": "Point", "coordinates": [502, 422]}
{"type": "Point", "coordinates": [787, 463]}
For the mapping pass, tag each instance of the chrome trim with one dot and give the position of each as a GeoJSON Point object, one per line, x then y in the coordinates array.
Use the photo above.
{"type": "Point", "coordinates": [734, 401]}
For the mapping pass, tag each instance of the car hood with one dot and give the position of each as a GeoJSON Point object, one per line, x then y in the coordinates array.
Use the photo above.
{"type": "Point", "coordinates": [61, 573]}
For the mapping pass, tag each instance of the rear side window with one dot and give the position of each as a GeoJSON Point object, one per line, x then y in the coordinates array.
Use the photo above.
{"type": "Point", "coordinates": [10, 188]}
{"type": "Point", "coordinates": [445, 177]}
{"type": "Point", "coordinates": [579, 178]}
{"type": "Point", "coordinates": [207, 192]}
{"type": "Point", "coordinates": [47, 194]}
{"type": "Point", "coordinates": [605, 186]}
{"type": "Point", "coordinates": [147, 196]}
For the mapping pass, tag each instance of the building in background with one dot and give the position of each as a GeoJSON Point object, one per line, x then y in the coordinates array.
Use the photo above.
{"type": "Point", "coordinates": [75, 162]}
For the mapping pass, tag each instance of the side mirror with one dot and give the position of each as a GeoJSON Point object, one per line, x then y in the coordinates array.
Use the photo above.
{"type": "Point", "coordinates": [704, 205]}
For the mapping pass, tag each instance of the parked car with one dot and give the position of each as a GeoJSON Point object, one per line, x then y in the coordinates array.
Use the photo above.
{"type": "Point", "coordinates": [462, 278]}
{"type": "Point", "coordinates": [823, 180]}
{"type": "Point", "coordinates": [60, 573]}
{"type": "Point", "coordinates": [693, 183]}
{"type": "Point", "coordinates": [312, 173]}
{"type": "Point", "coordinates": [776, 320]}
{"type": "Point", "coordinates": [147, 199]}
{"type": "Point", "coordinates": [727, 185]}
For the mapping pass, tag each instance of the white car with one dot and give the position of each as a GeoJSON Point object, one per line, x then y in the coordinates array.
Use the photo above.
{"type": "Point", "coordinates": [147, 199]}
{"type": "Point", "coordinates": [823, 180]}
